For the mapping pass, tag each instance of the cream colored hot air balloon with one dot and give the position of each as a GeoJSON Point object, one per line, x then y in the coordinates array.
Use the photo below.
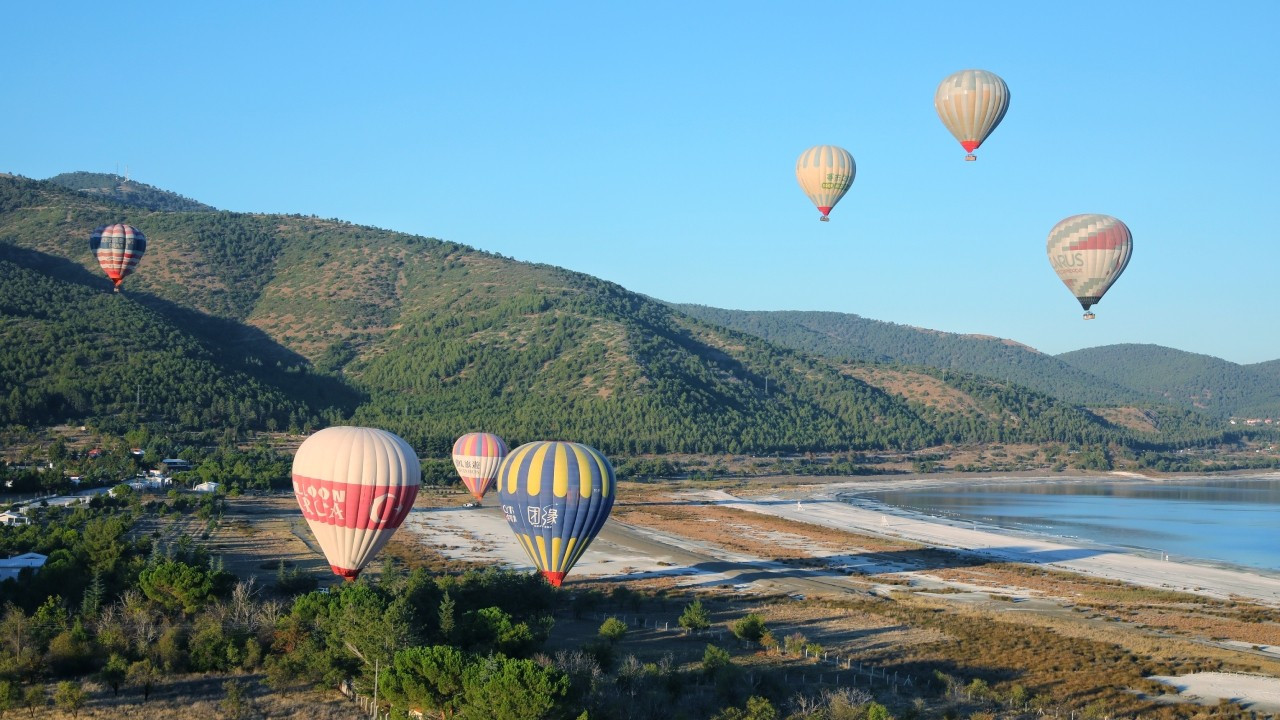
{"type": "Point", "coordinates": [476, 456]}
{"type": "Point", "coordinates": [1089, 252]}
{"type": "Point", "coordinates": [971, 104]}
{"type": "Point", "coordinates": [825, 173]}
{"type": "Point", "coordinates": [355, 486]}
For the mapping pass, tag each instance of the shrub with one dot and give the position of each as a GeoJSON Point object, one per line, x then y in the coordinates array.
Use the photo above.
{"type": "Point", "coordinates": [612, 629]}
{"type": "Point", "coordinates": [750, 628]}
{"type": "Point", "coordinates": [695, 617]}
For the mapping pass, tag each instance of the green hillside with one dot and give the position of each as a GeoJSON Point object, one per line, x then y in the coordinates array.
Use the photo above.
{"type": "Point", "coordinates": [69, 352]}
{"type": "Point", "coordinates": [127, 192]}
{"type": "Point", "coordinates": [1269, 370]}
{"type": "Point", "coordinates": [1207, 383]}
{"type": "Point", "coordinates": [842, 335]}
{"type": "Point", "coordinates": [295, 320]}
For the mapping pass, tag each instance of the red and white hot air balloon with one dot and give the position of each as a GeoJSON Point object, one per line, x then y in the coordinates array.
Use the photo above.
{"type": "Point", "coordinates": [355, 486]}
{"type": "Point", "coordinates": [118, 249]}
{"type": "Point", "coordinates": [1088, 252]}
{"type": "Point", "coordinates": [476, 457]}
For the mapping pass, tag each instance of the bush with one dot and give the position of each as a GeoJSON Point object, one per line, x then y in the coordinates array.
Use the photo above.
{"type": "Point", "coordinates": [695, 617]}
{"type": "Point", "coordinates": [714, 658]}
{"type": "Point", "coordinates": [750, 628]}
{"type": "Point", "coordinates": [795, 643]}
{"type": "Point", "coordinates": [612, 629]}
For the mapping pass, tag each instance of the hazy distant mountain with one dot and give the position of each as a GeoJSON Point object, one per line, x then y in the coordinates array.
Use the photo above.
{"type": "Point", "coordinates": [262, 320]}
{"type": "Point", "coordinates": [843, 335]}
{"type": "Point", "coordinates": [128, 192]}
{"type": "Point", "coordinates": [1204, 382]}
{"type": "Point", "coordinates": [1269, 369]}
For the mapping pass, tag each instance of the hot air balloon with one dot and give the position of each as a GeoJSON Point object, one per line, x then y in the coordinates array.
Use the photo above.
{"type": "Point", "coordinates": [119, 249]}
{"type": "Point", "coordinates": [971, 104]}
{"type": "Point", "coordinates": [476, 457]}
{"type": "Point", "coordinates": [355, 486]}
{"type": "Point", "coordinates": [825, 173]}
{"type": "Point", "coordinates": [556, 497]}
{"type": "Point", "coordinates": [1089, 252]}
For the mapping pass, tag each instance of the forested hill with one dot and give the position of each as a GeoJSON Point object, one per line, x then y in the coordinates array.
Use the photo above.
{"type": "Point", "coordinates": [1210, 384]}
{"type": "Point", "coordinates": [841, 335]}
{"type": "Point", "coordinates": [127, 192]}
{"type": "Point", "coordinates": [289, 319]}
{"type": "Point", "coordinates": [1269, 369]}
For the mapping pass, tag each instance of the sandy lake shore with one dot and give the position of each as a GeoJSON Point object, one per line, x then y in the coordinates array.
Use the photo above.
{"type": "Point", "coordinates": [836, 505]}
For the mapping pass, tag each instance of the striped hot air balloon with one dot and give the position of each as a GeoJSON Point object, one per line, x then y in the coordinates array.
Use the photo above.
{"type": "Point", "coordinates": [1089, 252]}
{"type": "Point", "coordinates": [825, 173]}
{"type": "Point", "coordinates": [971, 103]}
{"type": "Point", "coordinates": [476, 457]}
{"type": "Point", "coordinates": [355, 486]}
{"type": "Point", "coordinates": [556, 497]}
{"type": "Point", "coordinates": [119, 249]}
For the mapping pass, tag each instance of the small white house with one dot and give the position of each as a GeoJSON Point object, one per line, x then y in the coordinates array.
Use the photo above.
{"type": "Point", "coordinates": [141, 483]}
{"type": "Point", "coordinates": [10, 567]}
{"type": "Point", "coordinates": [12, 518]}
{"type": "Point", "coordinates": [207, 487]}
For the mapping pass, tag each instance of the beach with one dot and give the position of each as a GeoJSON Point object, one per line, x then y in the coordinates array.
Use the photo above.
{"type": "Point", "coordinates": [623, 550]}
{"type": "Point", "coordinates": [828, 506]}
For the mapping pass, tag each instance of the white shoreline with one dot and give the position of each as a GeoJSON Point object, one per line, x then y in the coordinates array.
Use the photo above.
{"type": "Point", "coordinates": [823, 506]}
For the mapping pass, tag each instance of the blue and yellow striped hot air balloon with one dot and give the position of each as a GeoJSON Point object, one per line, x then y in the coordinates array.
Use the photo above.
{"type": "Point", "coordinates": [556, 497]}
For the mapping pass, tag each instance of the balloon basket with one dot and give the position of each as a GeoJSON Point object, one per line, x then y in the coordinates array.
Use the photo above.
{"type": "Point", "coordinates": [824, 218]}
{"type": "Point", "coordinates": [1089, 316]}
{"type": "Point", "coordinates": [970, 157]}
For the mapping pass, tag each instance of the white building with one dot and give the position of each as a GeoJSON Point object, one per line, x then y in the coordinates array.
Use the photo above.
{"type": "Point", "coordinates": [207, 487]}
{"type": "Point", "coordinates": [13, 518]}
{"type": "Point", "coordinates": [10, 567]}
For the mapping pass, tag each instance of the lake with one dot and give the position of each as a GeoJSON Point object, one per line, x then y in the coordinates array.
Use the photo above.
{"type": "Point", "coordinates": [1233, 520]}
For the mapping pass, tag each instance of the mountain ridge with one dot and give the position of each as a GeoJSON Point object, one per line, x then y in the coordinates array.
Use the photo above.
{"type": "Point", "coordinates": [431, 339]}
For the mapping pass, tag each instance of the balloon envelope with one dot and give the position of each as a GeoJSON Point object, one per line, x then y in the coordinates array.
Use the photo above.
{"type": "Point", "coordinates": [355, 486]}
{"type": "Point", "coordinates": [119, 249]}
{"type": "Point", "coordinates": [476, 457]}
{"type": "Point", "coordinates": [1089, 252]}
{"type": "Point", "coordinates": [971, 103]}
{"type": "Point", "coordinates": [556, 496]}
{"type": "Point", "coordinates": [825, 173]}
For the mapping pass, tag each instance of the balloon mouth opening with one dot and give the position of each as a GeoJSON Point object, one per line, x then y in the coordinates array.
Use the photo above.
{"type": "Point", "coordinates": [969, 145]}
{"type": "Point", "coordinates": [345, 573]}
{"type": "Point", "coordinates": [825, 211]}
{"type": "Point", "coordinates": [555, 578]}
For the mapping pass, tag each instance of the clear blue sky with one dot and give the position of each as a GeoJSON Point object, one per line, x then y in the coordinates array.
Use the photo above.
{"type": "Point", "coordinates": [653, 144]}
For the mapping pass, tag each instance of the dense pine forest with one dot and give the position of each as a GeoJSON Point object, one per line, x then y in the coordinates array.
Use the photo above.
{"type": "Point", "coordinates": [1111, 375]}
{"type": "Point", "coordinates": [266, 322]}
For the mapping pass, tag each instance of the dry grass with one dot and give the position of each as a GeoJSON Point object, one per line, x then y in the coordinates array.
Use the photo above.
{"type": "Point", "coordinates": [916, 387]}
{"type": "Point", "coordinates": [752, 533]}
{"type": "Point", "coordinates": [197, 697]}
{"type": "Point", "coordinates": [1163, 610]}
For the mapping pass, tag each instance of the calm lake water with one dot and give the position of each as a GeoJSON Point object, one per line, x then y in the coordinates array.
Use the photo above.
{"type": "Point", "coordinates": [1235, 520]}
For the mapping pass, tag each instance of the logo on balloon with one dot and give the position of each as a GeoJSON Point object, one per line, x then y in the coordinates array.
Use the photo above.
{"type": "Point", "coordinates": [340, 504]}
{"type": "Point", "coordinates": [543, 517]}
{"type": "Point", "coordinates": [318, 503]}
